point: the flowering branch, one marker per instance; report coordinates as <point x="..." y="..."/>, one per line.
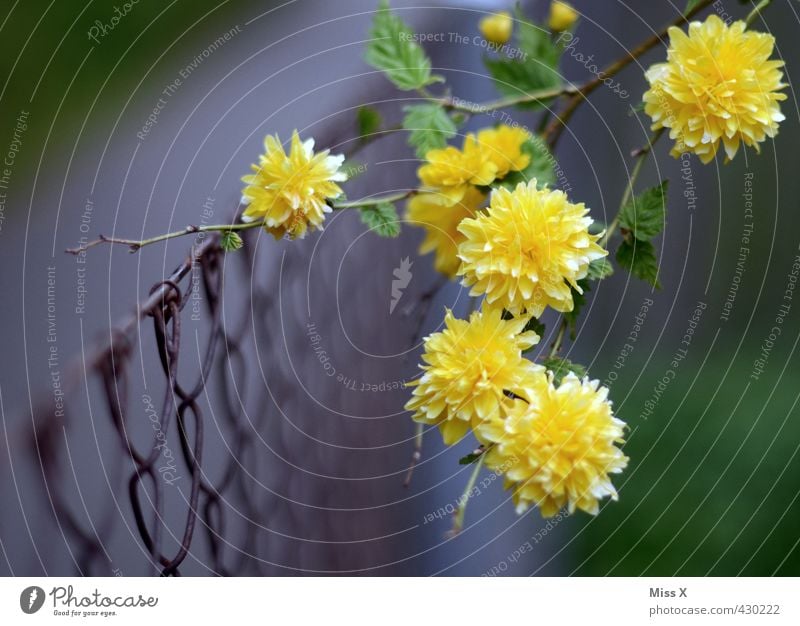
<point x="554" y="130"/>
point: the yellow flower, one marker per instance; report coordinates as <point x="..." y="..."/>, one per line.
<point x="468" y="368"/>
<point x="527" y="250"/>
<point x="497" y="27"/>
<point x="558" y="449"/>
<point x="491" y="155"/>
<point x="718" y="85"/>
<point x="502" y="146"/>
<point x="562" y="16"/>
<point x="290" y="191"/>
<point x="451" y="171"/>
<point x="441" y="225"/>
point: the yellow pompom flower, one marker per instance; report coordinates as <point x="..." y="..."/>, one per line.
<point x="497" y="27"/>
<point x="441" y="225"/>
<point x="467" y="368"/>
<point x="290" y="191"/>
<point x="527" y="250"/>
<point x="562" y="16"/>
<point x="451" y="171"/>
<point x="718" y="85"/>
<point x="502" y="146"/>
<point x="558" y="449"/>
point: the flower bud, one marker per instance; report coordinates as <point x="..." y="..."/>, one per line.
<point x="562" y="16"/>
<point x="497" y="27"/>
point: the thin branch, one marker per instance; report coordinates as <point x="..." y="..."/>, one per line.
<point x="641" y="157"/>
<point x="136" y="244"/>
<point x="456" y="104"/>
<point x="375" y="200"/>
<point x="417" y="455"/>
<point x="458" y="518"/>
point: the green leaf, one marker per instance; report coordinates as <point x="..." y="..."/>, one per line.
<point x="690" y="5"/>
<point x="578" y="302"/>
<point x="600" y="269"/>
<point x="644" y="215"/>
<point x="393" y="50"/>
<point x="230" y="241"/>
<point x="470" y="458"/>
<point x="368" y="119"/>
<point x="430" y="127"/>
<point x="382" y="218"/>
<point x="639" y="258"/>
<point x="541" y="166"/>
<point x="536" y="70"/>
<point x="535" y="325"/>
<point x="561" y="367"/>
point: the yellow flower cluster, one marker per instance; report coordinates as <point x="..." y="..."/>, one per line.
<point x="555" y="444"/>
<point x="468" y="368"/>
<point x="717" y="86"/>
<point x="527" y="250"/>
<point x="290" y="192"/>
<point x="451" y="177"/>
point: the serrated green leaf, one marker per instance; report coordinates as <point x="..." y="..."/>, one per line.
<point x="541" y="166"/>
<point x="600" y="269"/>
<point x="368" y="120"/>
<point x="429" y="125"/>
<point x="230" y="241"/>
<point x="561" y="367"/>
<point x="382" y="218"/>
<point x="535" y="325"/>
<point x="640" y="259"/>
<point x="643" y="215"/>
<point x="536" y="70"/>
<point x="393" y="50"/>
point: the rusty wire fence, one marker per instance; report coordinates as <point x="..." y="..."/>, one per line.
<point x="144" y="484"/>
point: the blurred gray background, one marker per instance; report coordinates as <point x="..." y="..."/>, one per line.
<point x="713" y="481"/>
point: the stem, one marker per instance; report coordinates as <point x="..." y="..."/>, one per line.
<point x="559" y="340"/>
<point x="554" y="130"/>
<point x="641" y="156"/>
<point x="455" y="104"/>
<point x="372" y="201"/>
<point x="756" y="11"/>
<point x="417" y="455"/>
<point x="458" y="518"/>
